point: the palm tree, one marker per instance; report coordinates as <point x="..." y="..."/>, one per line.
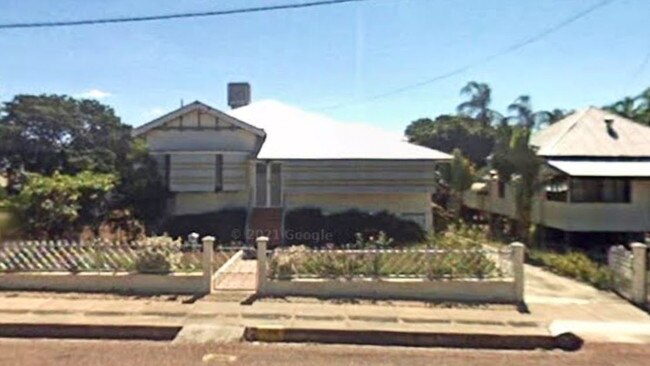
<point x="643" y="109"/>
<point x="626" y="107"/>
<point x="522" y="108"/>
<point x="478" y="105"/>
<point x="460" y="180"/>
<point x="550" y="117"/>
<point x="518" y="163"/>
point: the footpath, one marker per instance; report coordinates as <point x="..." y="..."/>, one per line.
<point x="554" y="306"/>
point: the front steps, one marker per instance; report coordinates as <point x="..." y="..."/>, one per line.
<point x="266" y="221"/>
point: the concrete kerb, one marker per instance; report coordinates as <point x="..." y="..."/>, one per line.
<point x="89" y="331"/>
<point x="564" y="341"/>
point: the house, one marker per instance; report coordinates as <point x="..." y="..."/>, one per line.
<point x="268" y="158"/>
<point x="596" y="176"/>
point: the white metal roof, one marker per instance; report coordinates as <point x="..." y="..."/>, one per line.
<point x="602" y="168"/>
<point x="292" y="133"/>
<point x="585" y="134"/>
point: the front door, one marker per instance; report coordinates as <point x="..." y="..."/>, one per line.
<point x="268" y="185"/>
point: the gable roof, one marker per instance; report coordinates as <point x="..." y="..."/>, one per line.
<point x="160" y="121"/>
<point x="585" y="134"/>
<point x="293" y="133"/>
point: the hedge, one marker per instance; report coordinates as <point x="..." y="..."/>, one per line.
<point x="226" y="225"/>
<point x="343" y="226"/>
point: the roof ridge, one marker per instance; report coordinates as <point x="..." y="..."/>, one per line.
<point x="561" y="136"/>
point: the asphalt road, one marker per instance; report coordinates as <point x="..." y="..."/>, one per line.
<point x="39" y="352"/>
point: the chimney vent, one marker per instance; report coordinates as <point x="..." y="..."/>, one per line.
<point x="239" y="94"/>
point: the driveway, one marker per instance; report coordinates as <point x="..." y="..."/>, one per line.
<point x="543" y="287"/>
<point x="595" y="315"/>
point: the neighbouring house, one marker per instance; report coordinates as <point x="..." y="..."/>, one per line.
<point x="268" y="158"/>
<point x="596" y="178"/>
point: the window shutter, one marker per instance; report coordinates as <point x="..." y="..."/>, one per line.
<point x="168" y="169"/>
<point x="218" y="178"/>
<point x="234" y="172"/>
<point x="192" y="173"/>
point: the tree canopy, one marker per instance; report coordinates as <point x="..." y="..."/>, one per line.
<point x="478" y="105"/>
<point x="57" y="134"/>
<point x="48" y="133"/>
<point x="636" y="107"/>
<point x="447" y="133"/>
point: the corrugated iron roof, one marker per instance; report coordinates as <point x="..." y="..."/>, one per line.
<point x="602" y="168"/>
<point x="586" y="134"/>
<point x="292" y="133"/>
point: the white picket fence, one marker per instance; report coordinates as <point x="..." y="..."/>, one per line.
<point x="108" y="267"/>
<point x="93" y="256"/>
<point x="477" y="275"/>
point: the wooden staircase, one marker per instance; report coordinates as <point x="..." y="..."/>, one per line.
<point x="266" y="221"/>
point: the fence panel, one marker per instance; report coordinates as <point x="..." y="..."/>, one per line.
<point x="99" y="256"/>
<point x="432" y="264"/>
<point x="619" y="260"/>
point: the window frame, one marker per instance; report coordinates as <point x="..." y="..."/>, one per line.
<point x="501" y="188"/>
<point x="600" y="190"/>
<point x="218" y="173"/>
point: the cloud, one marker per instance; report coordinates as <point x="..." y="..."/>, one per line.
<point x="94" y="94"/>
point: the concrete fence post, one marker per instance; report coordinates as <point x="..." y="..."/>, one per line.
<point x="639" y="273"/>
<point x="208" y="270"/>
<point x="262" y="242"/>
<point x="517" y="252"/>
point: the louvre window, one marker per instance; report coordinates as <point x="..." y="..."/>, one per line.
<point x="600" y="190"/>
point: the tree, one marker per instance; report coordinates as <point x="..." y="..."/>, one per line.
<point x="517" y="162"/>
<point x="525" y="116"/>
<point x="556" y="115"/>
<point x="48" y="133"/>
<point x="636" y="108"/>
<point x="626" y="107"/>
<point x="478" y="105"/>
<point x="461" y="178"/>
<point x="45" y="134"/>
<point x="60" y="205"/>
<point x="447" y="133"/>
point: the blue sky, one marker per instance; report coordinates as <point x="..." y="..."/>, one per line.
<point x="323" y="56"/>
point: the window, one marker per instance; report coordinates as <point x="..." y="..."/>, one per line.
<point x="600" y="190"/>
<point x="218" y="174"/>
<point x="501" y="188"/>
<point x="276" y="185"/>
<point x="558" y="189"/>
<point x="260" y="184"/>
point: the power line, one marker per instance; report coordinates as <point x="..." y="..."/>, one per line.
<point x="459" y="70"/>
<point x="50" y="24"/>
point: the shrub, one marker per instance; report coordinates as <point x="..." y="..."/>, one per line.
<point x="226" y="226"/>
<point x="152" y="261"/>
<point x="575" y="265"/>
<point x="344" y="226"/>
<point x="61" y="204"/>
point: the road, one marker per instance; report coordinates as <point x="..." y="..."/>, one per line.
<point x="124" y="353"/>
